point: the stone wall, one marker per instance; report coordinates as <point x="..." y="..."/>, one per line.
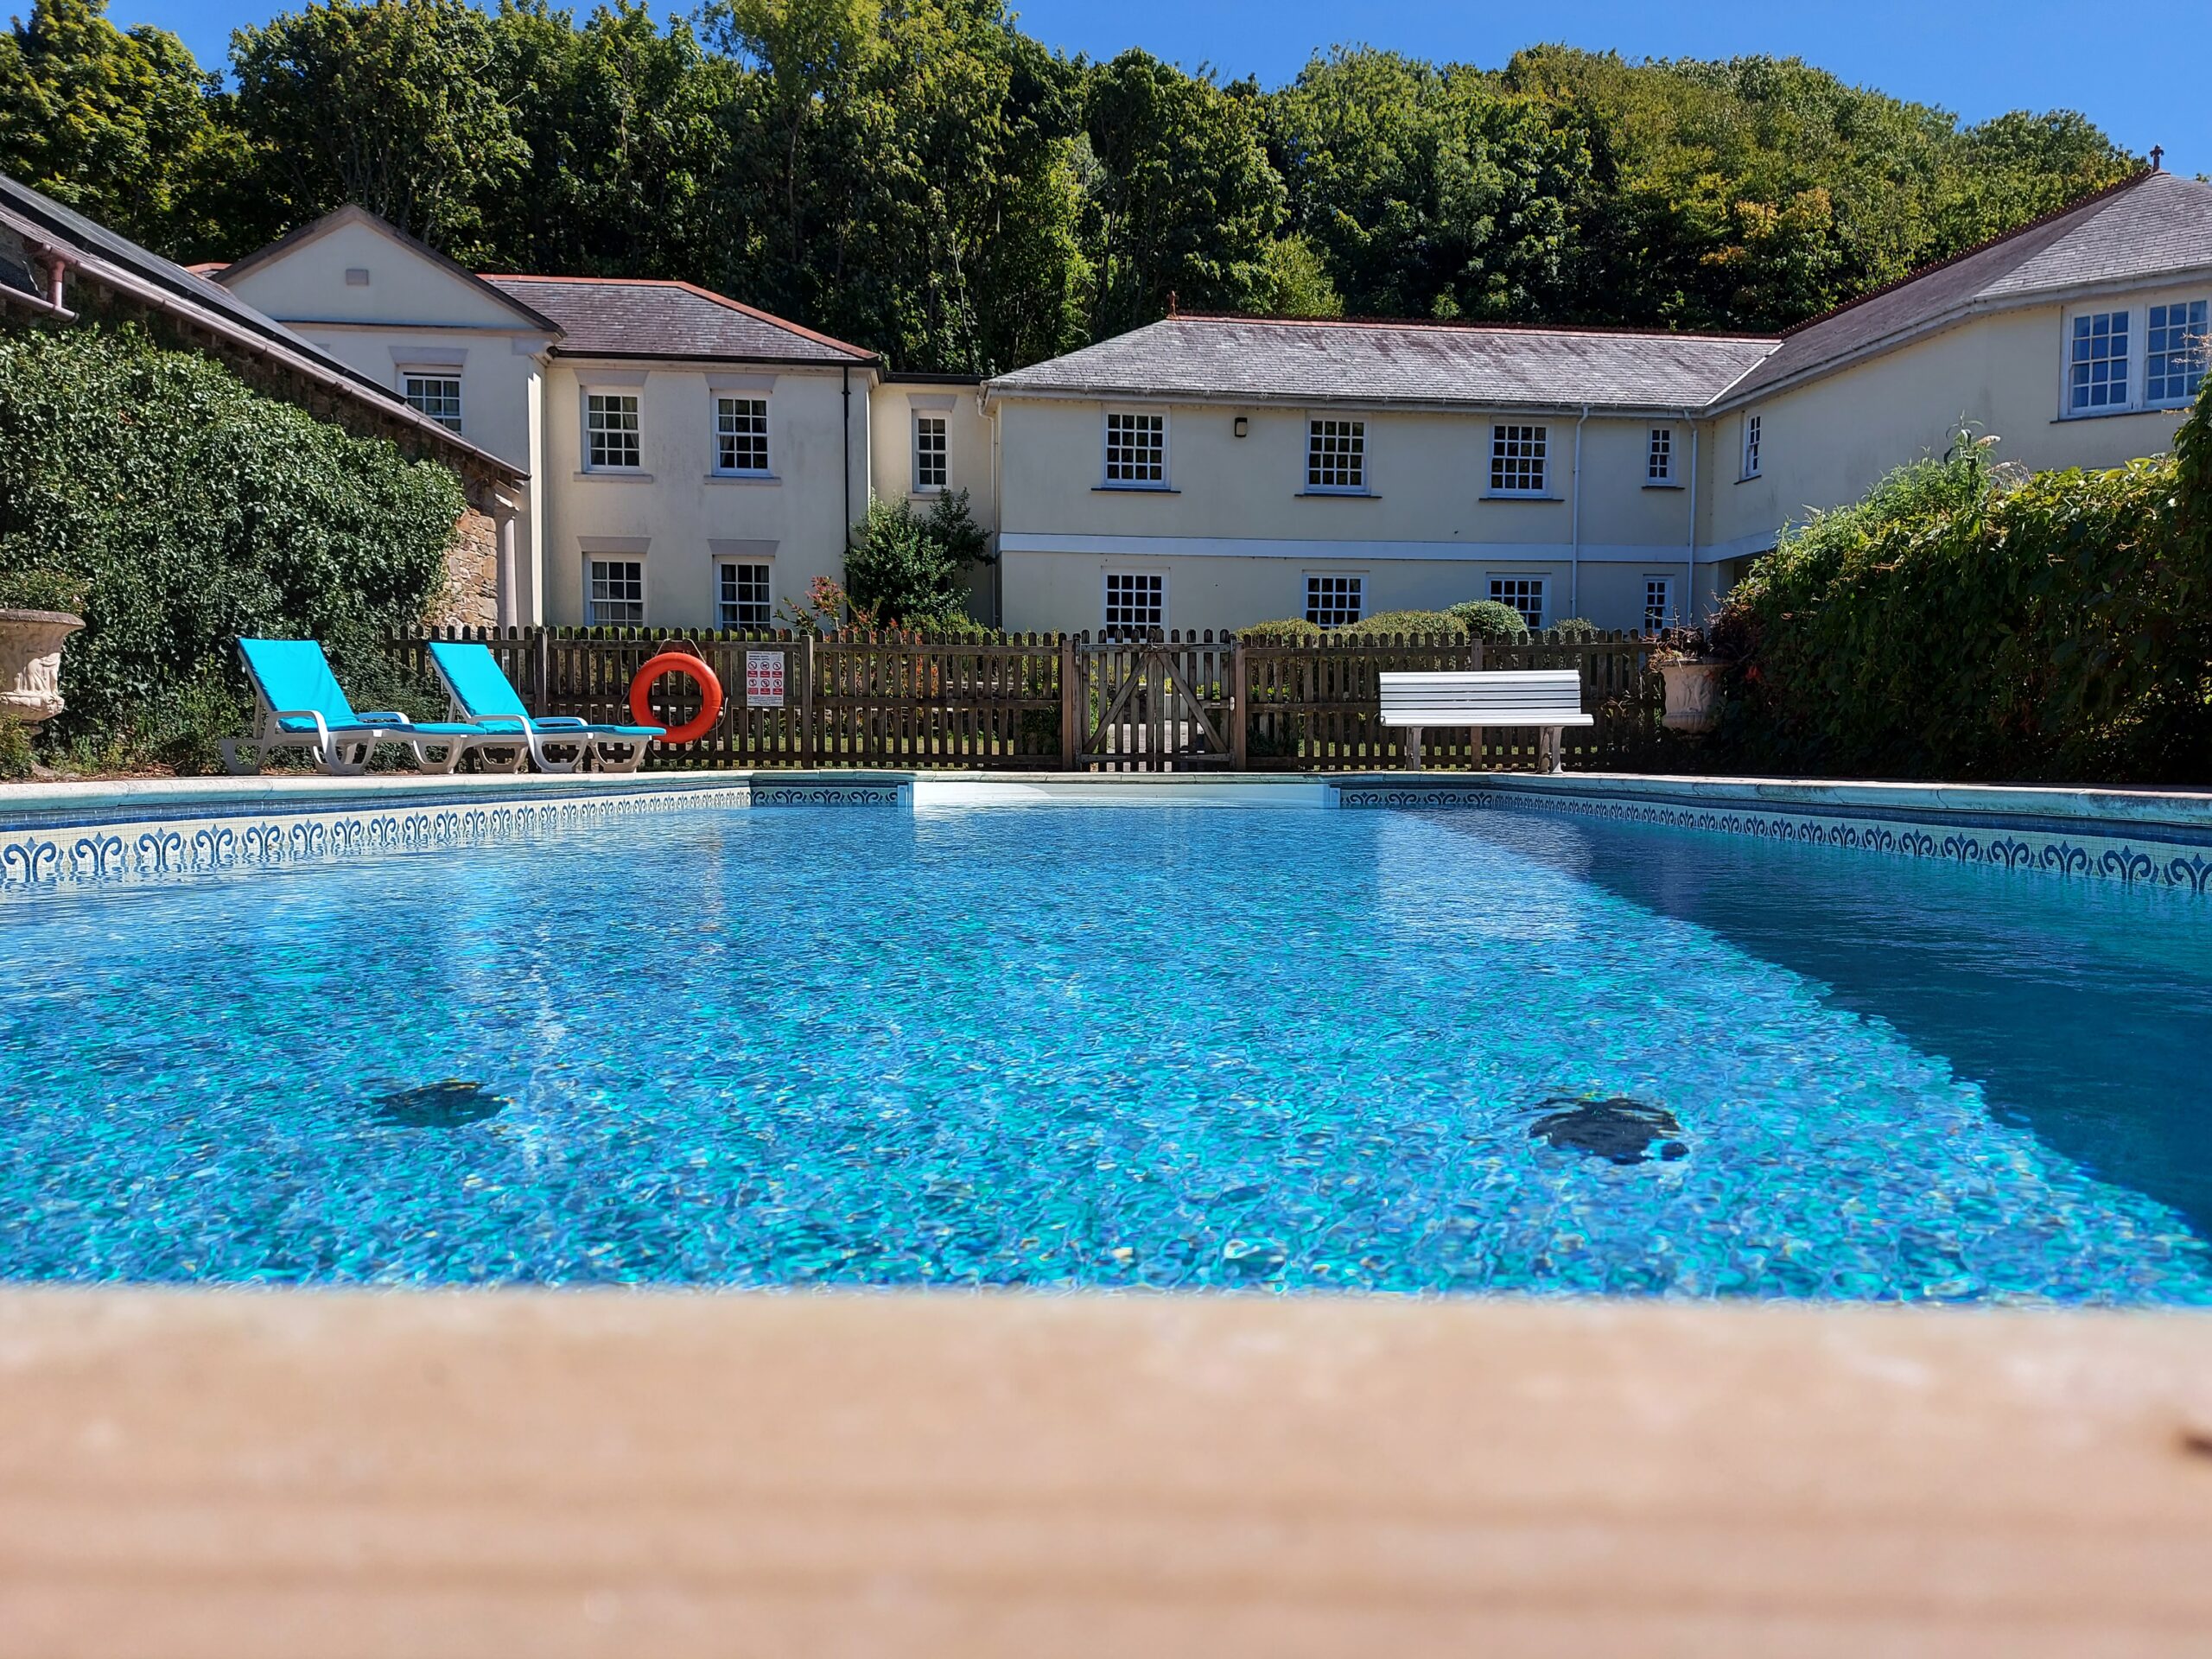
<point x="470" y="598"/>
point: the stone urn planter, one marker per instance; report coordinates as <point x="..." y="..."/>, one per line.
<point x="30" y="663"/>
<point x="1693" y="695"/>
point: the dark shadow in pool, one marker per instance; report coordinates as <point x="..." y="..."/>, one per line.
<point x="450" y="1104"/>
<point x="2083" y="1008"/>
<point x="1616" y="1128"/>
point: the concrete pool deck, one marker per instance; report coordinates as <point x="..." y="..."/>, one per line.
<point x="573" y="1473"/>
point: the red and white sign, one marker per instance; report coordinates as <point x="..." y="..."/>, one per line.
<point x="763" y="679"/>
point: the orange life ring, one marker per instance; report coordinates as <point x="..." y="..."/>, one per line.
<point x="710" y="695"/>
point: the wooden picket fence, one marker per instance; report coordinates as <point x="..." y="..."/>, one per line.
<point x="1046" y="702"/>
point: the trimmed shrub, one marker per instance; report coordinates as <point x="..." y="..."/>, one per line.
<point x="186" y="509"/>
<point x="907" y="566"/>
<point x="1411" y="622"/>
<point x="1956" y="623"/>
<point x="1290" y="631"/>
<point x="1488" y="618"/>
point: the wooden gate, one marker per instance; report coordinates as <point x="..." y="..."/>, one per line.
<point x="1161" y="705"/>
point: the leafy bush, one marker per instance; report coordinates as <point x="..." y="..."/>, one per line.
<point x="1290" y="631"/>
<point x="1397" y="622"/>
<point x="907" y="566"/>
<point x="188" y="509"/>
<point x="1956" y="623"/>
<point x="1487" y="619"/>
<point x="40" y="589"/>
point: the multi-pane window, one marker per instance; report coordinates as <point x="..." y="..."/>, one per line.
<point x="1751" y="438"/>
<point x="1517" y="460"/>
<point x="1659" y="464"/>
<point x="2173" y="349"/>
<point x="1524" y="593"/>
<point x="1136" y="448"/>
<point x="1336" y="454"/>
<point x="615" y="593"/>
<point x="741" y="435"/>
<point x="1658" y="602"/>
<point x="611" y="428"/>
<point x="2096" y="365"/>
<point x="929" y="452"/>
<point x="438" y="396"/>
<point x="1334" y="602"/>
<point x="1136" y="602"/>
<point x="741" y="596"/>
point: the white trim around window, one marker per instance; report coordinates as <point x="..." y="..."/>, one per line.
<point x="1659" y="460"/>
<point x="2120" y="358"/>
<point x="1335" y="599"/>
<point x="434" y="392"/>
<point x="1336" y="455"/>
<point x="1754" y="440"/>
<point x="614" y="591"/>
<point x="1520" y="460"/>
<point x="1529" y="594"/>
<point x="611" y="429"/>
<point x="1134" y="448"/>
<point x="1660" y="609"/>
<point x="930" y="450"/>
<point x="741" y="435"/>
<point x="1132" y="602"/>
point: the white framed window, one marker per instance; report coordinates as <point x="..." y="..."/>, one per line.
<point x="1751" y="438"/>
<point x="1659" y="458"/>
<point x="611" y="431"/>
<point x="742" y="596"/>
<point x="741" y="436"/>
<point x="931" y="454"/>
<point x="1336" y="454"/>
<point x="1524" y="593"/>
<point x="1136" y="602"/>
<point x="2096" y="362"/>
<point x="1334" y="602"/>
<point x="1658" y="603"/>
<point x="1517" y="460"/>
<point x="1136" y="448"/>
<point x="2173" y="353"/>
<point x="438" y="396"/>
<point x="615" y="592"/>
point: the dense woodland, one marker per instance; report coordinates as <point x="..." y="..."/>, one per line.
<point x="921" y="176"/>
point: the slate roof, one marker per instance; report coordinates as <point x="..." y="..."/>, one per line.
<point x="623" y="316"/>
<point x="101" y="257"/>
<point x="1400" y="362"/>
<point x="2147" y="226"/>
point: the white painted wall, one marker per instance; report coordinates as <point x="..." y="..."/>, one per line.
<point x="676" y="512"/>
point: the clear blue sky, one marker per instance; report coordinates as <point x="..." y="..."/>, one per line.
<point x="2140" y="70"/>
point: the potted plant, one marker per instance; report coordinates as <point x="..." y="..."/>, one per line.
<point x="1692" y="674"/>
<point x="38" y="613"/>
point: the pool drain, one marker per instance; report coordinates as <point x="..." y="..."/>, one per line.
<point x="1616" y="1128"/>
<point x="448" y="1105"/>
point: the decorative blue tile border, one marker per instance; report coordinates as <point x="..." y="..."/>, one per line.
<point x="2176" y="856"/>
<point x="868" y="794"/>
<point x="203" y="837"/>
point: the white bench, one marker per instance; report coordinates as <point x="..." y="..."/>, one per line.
<point x="1549" y="699"/>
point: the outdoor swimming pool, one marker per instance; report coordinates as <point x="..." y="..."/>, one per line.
<point x="1167" y="1046"/>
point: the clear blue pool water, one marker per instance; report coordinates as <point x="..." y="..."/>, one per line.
<point x="1159" y="1047"/>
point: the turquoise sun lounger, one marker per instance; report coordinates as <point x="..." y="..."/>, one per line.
<point x="298" y="704"/>
<point x="482" y="693"/>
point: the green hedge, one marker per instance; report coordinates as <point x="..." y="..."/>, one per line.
<point x="189" y="509"/>
<point x="1958" y="623"/>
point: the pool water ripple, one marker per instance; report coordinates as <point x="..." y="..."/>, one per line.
<point x="1275" y="1048"/>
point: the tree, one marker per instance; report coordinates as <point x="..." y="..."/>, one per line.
<point x="391" y="104"/>
<point x="119" y="125"/>
<point x="1182" y="201"/>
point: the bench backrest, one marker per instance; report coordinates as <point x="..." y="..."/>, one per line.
<point x="479" y="685"/>
<point x="294" y="674"/>
<point x="1500" y="697"/>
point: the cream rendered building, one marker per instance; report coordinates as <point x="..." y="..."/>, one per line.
<point x="692" y="462"/>
<point x="1213" y="472"/>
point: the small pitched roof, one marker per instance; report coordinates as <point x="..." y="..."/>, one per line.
<point x="353" y="214"/>
<point x="636" y="316"/>
<point x="1482" y="366"/>
<point x="97" y="255"/>
<point x="2151" y="226"/>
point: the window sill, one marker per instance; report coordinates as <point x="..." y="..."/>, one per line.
<point x="612" y="475"/>
<point x="1134" y="489"/>
<point x="930" y="492"/>
<point x="1751" y="478"/>
<point x="1519" y="495"/>
<point x="2132" y="409"/>
<point x="1663" y="487"/>
<point x="1339" y="495"/>
<point x="742" y="477"/>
